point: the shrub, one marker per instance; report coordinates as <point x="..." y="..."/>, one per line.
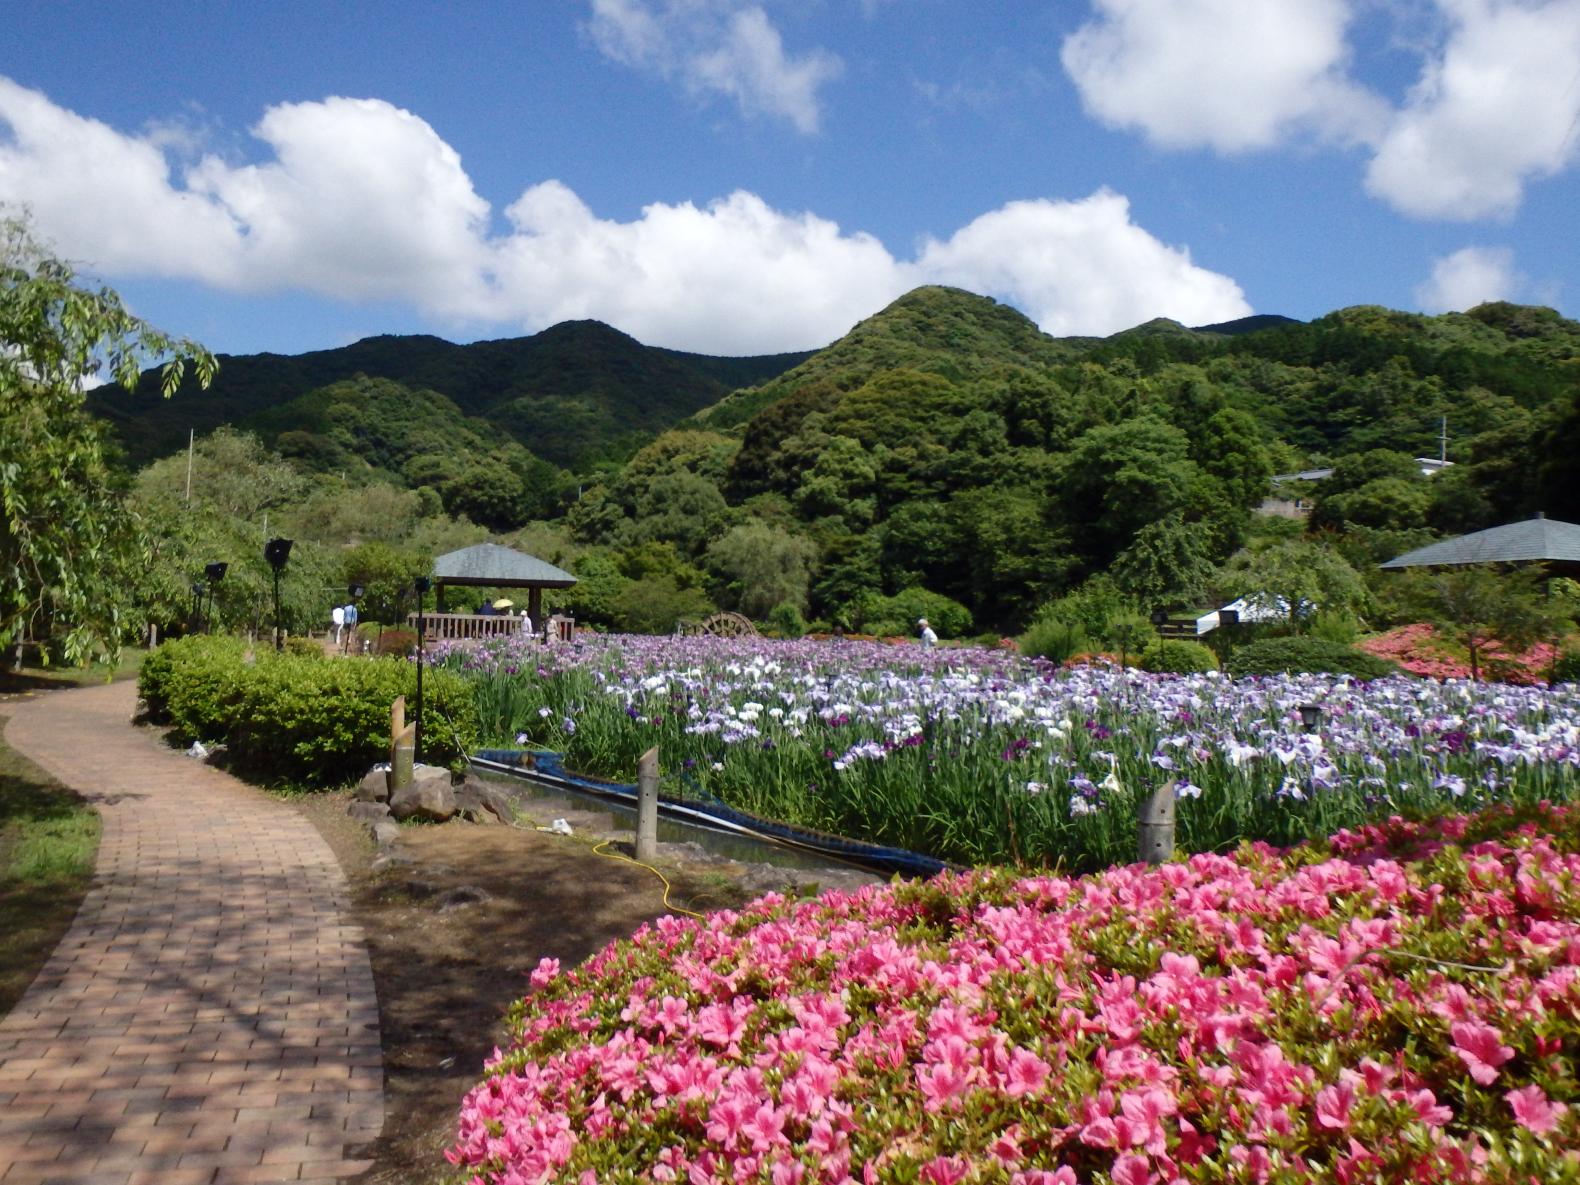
<point x="195" y="685"/>
<point x="1423" y="649"/>
<point x="1566" y="668"/>
<point x="1304" y="654"/>
<point x="323" y="723"/>
<point x="1335" y="626"/>
<point x="1177" y="656"/>
<point x="304" y="647"/>
<point x="299" y="719"/>
<point x="785" y="620"/>
<point x="1317" y="1015"/>
<point x="1054" y="640"/>
<point x="898" y="614"/>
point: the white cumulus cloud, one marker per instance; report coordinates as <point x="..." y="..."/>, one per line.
<point x="722" y="47"/>
<point x="1496" y="103"/>
<point x="1497" y="107"/>
<point x="356" y="199"/>
<point x="1468" y="277"/>
<point x="1080" y="267"/>
<point x="1231" y="75"/>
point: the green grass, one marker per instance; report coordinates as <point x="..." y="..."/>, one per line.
<point x="48" y="840"/>
<point x="21" y="679"/>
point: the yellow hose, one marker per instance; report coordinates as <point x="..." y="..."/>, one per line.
<point x="598" y="851"/>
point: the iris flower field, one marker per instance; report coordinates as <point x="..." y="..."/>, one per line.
<point x="978" y="756"/>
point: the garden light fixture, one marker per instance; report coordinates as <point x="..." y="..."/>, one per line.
<point x="277" y="551"/>
<point x="215" y="573"/>
<point x="1310" y="717"/>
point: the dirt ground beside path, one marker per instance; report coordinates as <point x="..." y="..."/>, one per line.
<point x="456" y="918"/>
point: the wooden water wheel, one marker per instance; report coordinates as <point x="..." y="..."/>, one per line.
<point x="729" y="625"/>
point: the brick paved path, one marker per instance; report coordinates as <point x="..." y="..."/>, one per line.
<point x="210" y="1016"/>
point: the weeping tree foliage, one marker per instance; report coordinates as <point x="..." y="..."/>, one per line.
<point x="67" y="545"/>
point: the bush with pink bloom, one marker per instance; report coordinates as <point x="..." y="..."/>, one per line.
<point x="1421" y="650"/>
<point x="1401" y="1003"/>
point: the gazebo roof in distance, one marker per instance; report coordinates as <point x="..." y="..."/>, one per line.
<point x="489" y="564"/>
<point x="1531" y="541"/>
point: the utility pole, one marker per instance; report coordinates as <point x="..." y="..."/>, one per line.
<point x="1442" y="442"/>
<point x="191" y="439"/>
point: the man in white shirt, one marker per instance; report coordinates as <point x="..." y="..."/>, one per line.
<point x="929" y="639"/>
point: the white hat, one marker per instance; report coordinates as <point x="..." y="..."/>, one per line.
<point x="921" y="621"/>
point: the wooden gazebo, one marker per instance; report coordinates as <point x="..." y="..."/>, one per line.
<point x="489" y="565"/>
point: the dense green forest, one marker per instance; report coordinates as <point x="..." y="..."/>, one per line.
<point x="572" y="395"/>
<point x="945" y="457"/>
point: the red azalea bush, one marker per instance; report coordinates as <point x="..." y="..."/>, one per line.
<point x="1402" y="1004"/>
<point x="1420" y="650"/>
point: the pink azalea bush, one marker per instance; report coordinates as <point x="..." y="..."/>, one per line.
<point x="1420" y="650"/>
<point x="1399" y="1004"/>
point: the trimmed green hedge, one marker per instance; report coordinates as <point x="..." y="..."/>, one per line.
<point x="1273" y="656"/>
<point x="1177" y="656"/>
<point x="285" y="717"/>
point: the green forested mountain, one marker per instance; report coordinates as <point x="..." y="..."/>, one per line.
<point x="948" y="444"/>
<point x="574" y="394"/>
<point x="945" y="456"/>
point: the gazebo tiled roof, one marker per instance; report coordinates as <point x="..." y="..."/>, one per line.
<point x="1531" y="541"/>
<point x="490" y="565"/>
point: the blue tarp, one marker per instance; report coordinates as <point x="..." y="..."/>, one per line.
<point x="550" y="766"/>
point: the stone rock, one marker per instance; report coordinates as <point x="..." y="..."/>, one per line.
<point x="385" y="831"/>
<point x="370" y="812"/>
<point x="428" y="797"/>
<point x="375" y="786"/>
<point x="460" y="897"/>
<point x="478" y="802"/>
<point x="390" y="859"/>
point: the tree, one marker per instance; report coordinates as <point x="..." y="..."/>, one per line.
<point x="1300" y="575"/>
<point x="1481" y="608"/>
<point x="1166" y="564"/>
<point x="759" y="567"/>
<point x="1119" y="477"/>
<point x="67" y="546"/>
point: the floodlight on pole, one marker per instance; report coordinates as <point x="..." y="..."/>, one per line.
<point x="215" y="573"/>
<point x="276" y="552"/>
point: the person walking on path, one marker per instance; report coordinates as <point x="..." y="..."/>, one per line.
<point x="337" y="618"/>
<point x="210" y="1015"/>
<point x="929" y="638"/>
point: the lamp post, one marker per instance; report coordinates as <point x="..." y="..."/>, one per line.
<point x="197" y="604"/>
<point x="277" y="551"/>
<point x="215" y="573"/>
<point x="1310" y="717"/>
<point x="422" y="584"/>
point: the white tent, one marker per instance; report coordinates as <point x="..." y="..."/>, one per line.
<point x="1275" y="610"/>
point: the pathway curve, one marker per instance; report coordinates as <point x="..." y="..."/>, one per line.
<point x="210" y="1016"/>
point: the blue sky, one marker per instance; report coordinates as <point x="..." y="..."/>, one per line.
<point x="743" y="177"/>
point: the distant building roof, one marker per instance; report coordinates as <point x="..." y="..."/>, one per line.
<point x="1428" y="465"/>
<point x="1537" y="538"/>
<point x="491" y="564"/>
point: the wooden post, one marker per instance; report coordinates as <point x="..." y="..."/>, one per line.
<point x="647" y="805"/>
<point x="1157" y="826"/>
<point x="403" y="746"/>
